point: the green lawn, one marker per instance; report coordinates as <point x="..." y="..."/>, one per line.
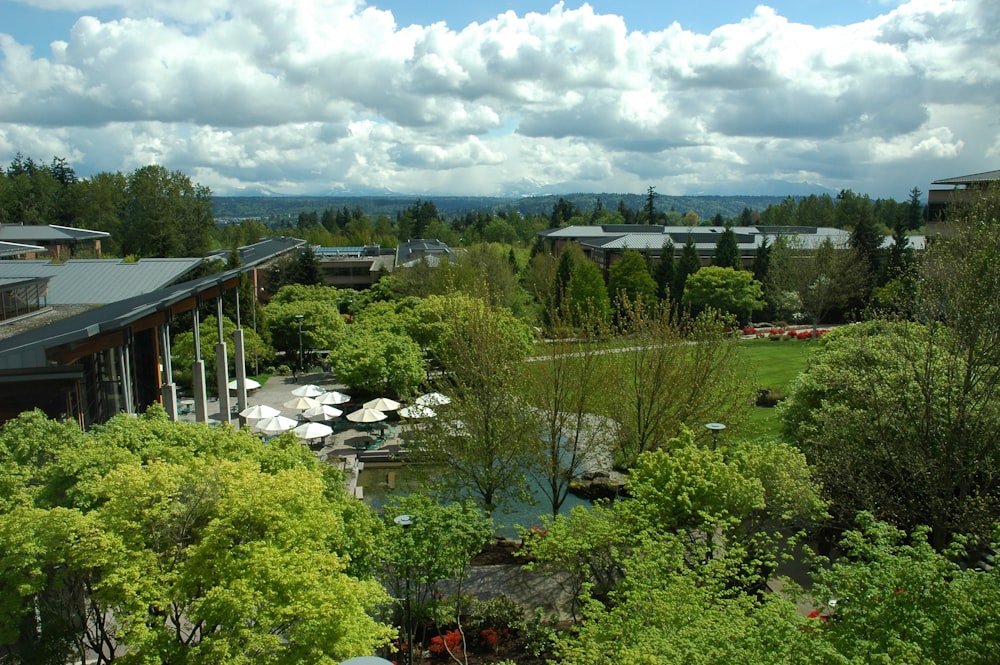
<point x="772" y="365"/>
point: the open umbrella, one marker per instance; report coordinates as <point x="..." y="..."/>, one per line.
<point x="312" y="431"/>
<point x="274" y="425"/>
<point x="321" y="412"/>
<point x="433" y="399"/>
<point x="333" y="398"/>
<point x="417" y="411"/>
<point x="366" y="415"/>
<point x="258" y="411"/>
<point x="308" y="390"/>
<point x="301" y="403"/>
<point x="382" y="404"/>
<point x="250" y="384"/>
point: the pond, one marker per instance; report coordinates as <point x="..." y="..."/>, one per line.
<point x="377" y="492"/>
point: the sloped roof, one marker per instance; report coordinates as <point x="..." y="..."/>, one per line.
<point x="986" y="176"/>
<point x="27" y="349"/>
<point x="50" y="233"/>
<point x="100" y="281"/>
<point x="17" y="248"/>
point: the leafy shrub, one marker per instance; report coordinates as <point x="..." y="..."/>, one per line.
<point x="499" y="613"/>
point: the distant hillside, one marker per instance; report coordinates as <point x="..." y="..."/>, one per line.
<point x="270" y="208"/>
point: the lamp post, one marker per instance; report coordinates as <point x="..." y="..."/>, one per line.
<point x="715" y="428"/>
<point x="299" y="317"/>
<point x="405" y="521"/>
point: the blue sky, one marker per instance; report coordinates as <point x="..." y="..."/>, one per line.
<point x="335" y="96"/>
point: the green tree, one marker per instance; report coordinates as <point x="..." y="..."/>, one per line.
<point x="202" y="544"/>
<point x="688" y="264"/>
<point x="726" y="290"/>
<point x="321" y="320"/>
<point x="914" y="211"/>
<point x="629" y="281"/>
<point x="898" y="424"/>
<point x="900" y="600"/>
<point x="182" y="347"/>
<point x="810" y="284"/>
<point x="727" y="250"/>
<point x="165" y="214"/>
<point x="483" y="448"/>
<point x="588" y="300"/>
<point x="676" y="370"/>
<point x="565" y="386"/>
<point x="664" y="274"/>
<point x="378" y="361"/>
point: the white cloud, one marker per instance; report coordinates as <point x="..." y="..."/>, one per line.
<point x="320" y="95"/>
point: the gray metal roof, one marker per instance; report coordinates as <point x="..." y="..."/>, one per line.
<point x="17" y="248"/>
<point x="986" y="176"/>
<point x="27" y="349"/>
<point x="52" y="232"/>
<point x="100" y="281"/>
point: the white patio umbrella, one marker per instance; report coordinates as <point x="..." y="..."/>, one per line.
<point x="258" y="411"/>
<point x="274" y="425"/>
<point x="417" y="411"/>
<point x="301" y="403"/>
<point x="250" y="384"/>
<point x="433" y="399"/>
<point x="382" y="404"/>
<point x="321" y="412"/>
<point x="366" y="415"/>
<point x="308" y="390"/>
<point x="310" y="431"/>
<point x="333" y="398"/>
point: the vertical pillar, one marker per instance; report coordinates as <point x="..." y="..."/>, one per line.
<point x="125" y="370"/>
<point x="168" y="389"/>
<point x="241" y="369"/>
<point x="222" y="368"/>
<point x="198" y="374"/>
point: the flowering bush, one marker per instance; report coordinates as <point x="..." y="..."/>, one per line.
<point x="490" y="639"/>
<point x="450" y="643"/>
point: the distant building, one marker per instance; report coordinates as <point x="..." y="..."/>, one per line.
<point x="604" y="244"/>
<point x="57" y="242"/>
<point x="353" y="267"/>
<point x="410" y="252"/>
<point x="959" y="189"/>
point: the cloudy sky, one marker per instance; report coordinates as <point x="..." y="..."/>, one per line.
<point x="471" y="97"/>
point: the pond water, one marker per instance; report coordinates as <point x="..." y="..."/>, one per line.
<point x="377" y="492"/>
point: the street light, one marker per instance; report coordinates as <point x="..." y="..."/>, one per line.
<point x="301" y="357"/>
<point x="716" y="428"/>
<point x="406" y="522"/>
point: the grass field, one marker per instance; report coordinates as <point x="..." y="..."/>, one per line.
<point x="772" y="365"/>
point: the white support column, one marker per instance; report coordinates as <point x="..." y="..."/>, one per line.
<point x="222" y="368"/>
<point x="239" y="350"/>
<point x="168" y="389"/>
<point x="198" y="374"/>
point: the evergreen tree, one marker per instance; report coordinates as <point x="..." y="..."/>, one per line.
<point x="727" y="251"/>
<point x="914" y="211"/>
<point x="665" y="270"/>
<point x="629" y="281"/>
<point x="688" y="265"/>
<point x="761" y="260"/>
<point x="650" y="210"/>
<point x="628" y="215"/>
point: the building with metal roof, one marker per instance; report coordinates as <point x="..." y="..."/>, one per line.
<point x="9" y="249"/>
<point x="960" y="189"/>
<point x="116" y="357"/>
<point x="60" y="242"/>
<point x="100" y="281"/>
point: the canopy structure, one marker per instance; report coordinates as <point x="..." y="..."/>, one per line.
<point x="308" y="390"/>
<point x="333" y="398"/>
<point x="250" y="384"/>
<point x="309" y="431"/>
<point x="322" y="412"/>
<point x="433" y="399"/>
<point x="258" y="411"/>
<point x="382" y="404"/>
<point x="301" y="403"/>
<point x="366" y="415"/>
<point x="274" y="425"/>
<point x="417" y="411"/>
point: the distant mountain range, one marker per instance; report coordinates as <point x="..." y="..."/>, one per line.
<point x="275" y="208"/>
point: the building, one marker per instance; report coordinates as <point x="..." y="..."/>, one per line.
<point x="605" y="243"/>
<point x="960" y="189"/>
<point x="57" y="242"/>
<point x="353" y="267"/>
<point x="90" y="363"/>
